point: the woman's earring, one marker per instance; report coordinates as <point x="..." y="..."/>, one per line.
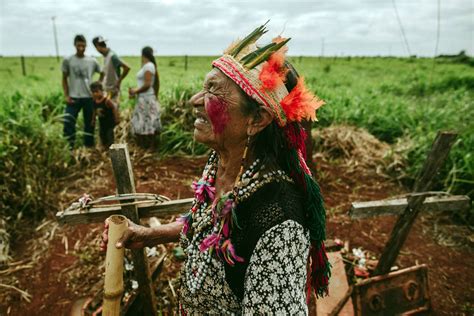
<point x="244" y="156"/>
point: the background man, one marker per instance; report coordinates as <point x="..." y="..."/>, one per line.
<point x="78" y="70"/>
<point x="115" y="69"/>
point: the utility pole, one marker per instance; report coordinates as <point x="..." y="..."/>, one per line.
<point x="55" y="37"/>
<point x="322" y="47"/>
<point x="438" y="29"/>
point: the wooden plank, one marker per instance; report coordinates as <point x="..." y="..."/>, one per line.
<point x="342" y="303"/>
<point x="122" y="169"/>
<point x="99" y="214"/>
<point x="4" y="243"/>
<point x="338" y="287"/>
<point x="397" y="206"/>
<point x="438" y="154"/>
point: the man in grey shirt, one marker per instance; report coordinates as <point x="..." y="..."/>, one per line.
<point x="78" y="70"/>
<point x="115" y="69"/>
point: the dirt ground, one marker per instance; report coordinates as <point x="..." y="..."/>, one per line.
<point x="46" y="269"/>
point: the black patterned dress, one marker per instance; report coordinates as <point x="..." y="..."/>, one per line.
<point x="272" y="238"/>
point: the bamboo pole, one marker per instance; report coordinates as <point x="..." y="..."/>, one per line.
<point x="113" y="285"/>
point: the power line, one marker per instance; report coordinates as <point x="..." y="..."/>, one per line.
<point x="401" y="28"/>
<point x="438" y="29"/>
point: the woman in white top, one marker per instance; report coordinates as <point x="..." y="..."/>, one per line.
<point x="146" y="115"/>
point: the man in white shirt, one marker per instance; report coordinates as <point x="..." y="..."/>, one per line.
<point x="115" y="69"/>
<point x="78" y="71"/>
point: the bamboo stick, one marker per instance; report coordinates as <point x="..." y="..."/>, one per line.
<point x="113" y="285"/>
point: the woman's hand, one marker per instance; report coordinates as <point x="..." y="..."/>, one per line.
<point x="135" y="237"/>
<point x="132" y="92"/>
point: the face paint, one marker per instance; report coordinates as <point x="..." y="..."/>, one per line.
<point x="218" y="114"/>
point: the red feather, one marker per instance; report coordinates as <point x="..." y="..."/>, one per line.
<point x="301" y="104"/>
<point x="273" y="73"/>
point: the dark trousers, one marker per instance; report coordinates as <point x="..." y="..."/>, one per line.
<point x="70" y="118"/>
<point x="106" y="134"/>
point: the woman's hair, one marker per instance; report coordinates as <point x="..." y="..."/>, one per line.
<point x="147" y="52"/>
<point x="279" y="148"/>
<point x="271" y="143"/>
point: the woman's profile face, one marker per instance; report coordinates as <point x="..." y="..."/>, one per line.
<point x="219" y="123"/>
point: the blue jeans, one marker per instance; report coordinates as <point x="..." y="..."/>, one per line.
<point x="70" y="117"/>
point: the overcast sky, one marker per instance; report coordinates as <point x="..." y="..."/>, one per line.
<point x="194" y="27"/>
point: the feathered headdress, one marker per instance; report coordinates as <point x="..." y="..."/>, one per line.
<point x="261" y="73"/>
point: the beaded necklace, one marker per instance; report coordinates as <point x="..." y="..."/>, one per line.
<point x="211" y="219"/>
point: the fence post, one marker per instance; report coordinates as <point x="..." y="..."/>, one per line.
<point x="185" y="62"/>
<point x="23" y="68"/>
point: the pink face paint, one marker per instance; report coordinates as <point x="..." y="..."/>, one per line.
<point x="218" y="114"/>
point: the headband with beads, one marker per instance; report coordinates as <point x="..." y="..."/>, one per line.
<point x="260" y="72"/>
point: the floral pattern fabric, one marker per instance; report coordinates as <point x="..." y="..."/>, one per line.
<point x="274" y="282"/>
<point x="146" y="116"/>
<point x="276" y="276"/>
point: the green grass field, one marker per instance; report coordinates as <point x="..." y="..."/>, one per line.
<point x="399" y="100"/>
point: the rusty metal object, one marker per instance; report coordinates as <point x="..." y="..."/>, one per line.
<point x="401" y="292"/>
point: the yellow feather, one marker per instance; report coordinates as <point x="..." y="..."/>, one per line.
<point x="246" y="50"/>
<point x="232" y="46"/>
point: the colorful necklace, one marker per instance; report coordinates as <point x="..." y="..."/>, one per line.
<point x="211" y="220"/>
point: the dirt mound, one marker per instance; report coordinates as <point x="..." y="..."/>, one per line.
<point x="358" y="149"/>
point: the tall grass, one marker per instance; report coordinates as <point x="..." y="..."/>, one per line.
<point x="401" y="101"/>
<point x="33" y="155"/>
<point x="177" y="118"/>
<point x="406" y="106"/>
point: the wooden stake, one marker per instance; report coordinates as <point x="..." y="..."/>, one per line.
<point x="438" y="154"/>
<point x="123" y="174"/>
<point x="4" y="243"/>
<point x="113" y="284"/>
<point x="23" y="67"/>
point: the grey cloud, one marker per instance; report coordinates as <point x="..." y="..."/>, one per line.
<point x="367" y="27"/>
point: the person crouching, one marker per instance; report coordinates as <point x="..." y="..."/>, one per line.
<point x="107" y="111"/>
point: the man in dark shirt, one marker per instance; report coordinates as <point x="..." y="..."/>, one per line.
<point x="107" y="111"/>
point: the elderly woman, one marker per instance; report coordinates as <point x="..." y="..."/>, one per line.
<point x="254" y="235"/>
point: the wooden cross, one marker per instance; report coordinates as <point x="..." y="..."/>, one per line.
<point x="123" y="174"/>
<point x="433" y="163"/>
